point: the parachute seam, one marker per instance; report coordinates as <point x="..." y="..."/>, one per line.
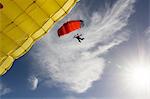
<point x="3" y="53"/>
<point x="42" y="10"/>
<point x="19" y="14"/>
<point x="66" y="12"/>
<point x="62" y="6"/>
<point x="12" y="23"/>
<point x="10" y="37"/>
<point x="30" y="16"/>
<point x="16" y="25"/>
<point x="18" y="46"/>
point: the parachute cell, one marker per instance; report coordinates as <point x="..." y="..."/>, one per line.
<point x="22" y="22"/>
<point x="69" y="27"/>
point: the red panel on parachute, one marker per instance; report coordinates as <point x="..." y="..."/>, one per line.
<point x="69" y="26"/>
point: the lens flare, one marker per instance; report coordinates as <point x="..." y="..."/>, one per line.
<point x="137" y="77"/>
<point x="140" y="77"/>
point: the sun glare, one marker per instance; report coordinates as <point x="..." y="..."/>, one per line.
<point x="137" y="77"/>
<point x="140" y="77"/>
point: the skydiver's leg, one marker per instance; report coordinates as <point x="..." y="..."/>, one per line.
<point x="82" y="38"/>
<point x="79" y="40"/>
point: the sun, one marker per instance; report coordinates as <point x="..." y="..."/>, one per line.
<point x="136" y="76"/>
<point x="140" y="77"/>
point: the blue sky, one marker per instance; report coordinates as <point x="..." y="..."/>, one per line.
<point x="116" y="33"/>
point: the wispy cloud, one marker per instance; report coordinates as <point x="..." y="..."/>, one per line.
<point x="4" y="90"/>
<point x="33" y="81"/>
<point x="75" y="66"/>
<point x="147" y="33"/>
<point x="74" y="97"/>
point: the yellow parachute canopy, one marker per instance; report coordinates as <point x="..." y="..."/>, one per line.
<point x="22" y="22"/>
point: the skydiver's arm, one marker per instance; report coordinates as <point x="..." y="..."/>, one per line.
<point x="75" y="36"/>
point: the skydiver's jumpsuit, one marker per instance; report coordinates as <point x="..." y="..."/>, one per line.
<point x="78" y="37"/>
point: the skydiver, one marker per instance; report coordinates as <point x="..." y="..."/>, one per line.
<point x="78" y="37"/>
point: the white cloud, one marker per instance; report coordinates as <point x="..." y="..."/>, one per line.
<point x="4" y="90"/>
<point x="76" y="66"/>
<point x="33" y="81"/>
